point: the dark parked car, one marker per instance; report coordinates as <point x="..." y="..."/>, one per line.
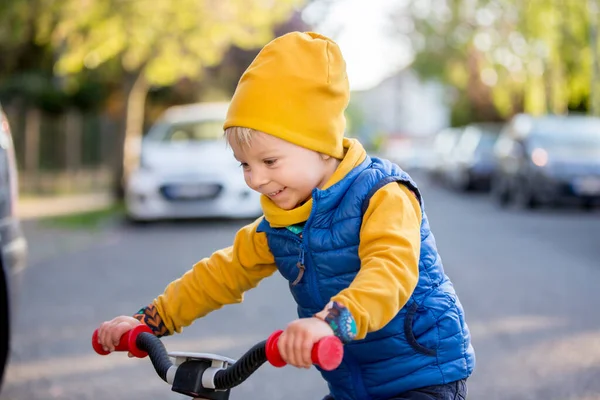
<point x="548" y="160"/>
<point x="471" y="163"/>
<point x="13" y="245"/>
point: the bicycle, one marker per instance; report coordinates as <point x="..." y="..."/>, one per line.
<point x="205" y="376"/>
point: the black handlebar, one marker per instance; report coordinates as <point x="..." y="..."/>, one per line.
<point x="200" y="376"/>
<point x="228" y="378"/>
<point x="156" y="350"/>
<point x="243" y="368"/>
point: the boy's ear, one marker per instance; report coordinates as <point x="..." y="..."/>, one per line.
<point x="325" y="157"/>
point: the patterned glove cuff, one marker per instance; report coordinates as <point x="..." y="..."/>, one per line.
<point x="149" y="316"/>
<point x="341" y="322"/>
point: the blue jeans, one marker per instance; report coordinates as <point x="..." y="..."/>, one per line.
<point x="450" y="391"/>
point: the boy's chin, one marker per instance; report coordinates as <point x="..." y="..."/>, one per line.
<point x="288" y="205"/>
<point x="285" y="206"/>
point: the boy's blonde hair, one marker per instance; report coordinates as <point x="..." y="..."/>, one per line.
<point x="242" y="136"/>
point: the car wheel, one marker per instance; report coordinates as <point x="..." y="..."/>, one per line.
<point x="499" y="192"/>
<point x="463" y="181"/>
<point x="587" y="205"/>
<point x="134" y="221"/>
<point x="525" y="198"/>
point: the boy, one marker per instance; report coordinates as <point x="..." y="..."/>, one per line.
<point x="347" y="231"/>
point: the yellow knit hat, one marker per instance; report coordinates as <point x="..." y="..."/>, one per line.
<point x="297" y="90"/>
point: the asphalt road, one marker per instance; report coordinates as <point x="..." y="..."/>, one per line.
<point x="528" y="281"/>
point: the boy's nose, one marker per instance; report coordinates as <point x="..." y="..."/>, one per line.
<point x="259" y="178"/>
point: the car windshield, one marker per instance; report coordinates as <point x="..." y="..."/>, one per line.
<point x="196" y="131"/>
<point x="567" y="134"/>
<point x="480" y="138"/>
<point x="568" y="140"/>
<point x="487" y="141"/>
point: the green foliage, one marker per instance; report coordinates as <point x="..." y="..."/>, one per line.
<point x="66" y="53"/>
<point x="45" y="92"/>
<point x="510" y="55"/>
<point x="15" y="27"/>
<point x="164" y="39"/>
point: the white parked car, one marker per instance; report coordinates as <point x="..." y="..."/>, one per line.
<point x="187" y="171"/>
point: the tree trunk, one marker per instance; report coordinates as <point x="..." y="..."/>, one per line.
<point x="136" y="102"/>
<point x="557" y="85"/>
<point x="479" y="94"/>
<point x="136" y="91"/>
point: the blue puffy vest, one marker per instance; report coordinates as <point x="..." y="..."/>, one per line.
<point x="426" y="343"/>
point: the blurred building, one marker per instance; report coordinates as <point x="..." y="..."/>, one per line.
<point x="400" y="105"/>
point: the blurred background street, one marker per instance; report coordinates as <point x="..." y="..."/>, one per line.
<point x="114" y="178"/>
<point x="529" y="288"/>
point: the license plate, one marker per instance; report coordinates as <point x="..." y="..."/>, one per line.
<point x="587" y="186"/>
<point x="191" y="191"/>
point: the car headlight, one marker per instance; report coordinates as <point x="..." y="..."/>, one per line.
<point x="539" y="157"/>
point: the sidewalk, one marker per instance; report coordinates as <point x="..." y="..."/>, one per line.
<point x="39" y="207"/>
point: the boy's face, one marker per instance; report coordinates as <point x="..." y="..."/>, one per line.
<point x="282" y="171"/>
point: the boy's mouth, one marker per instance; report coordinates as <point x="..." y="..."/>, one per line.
<point x="276" y="193"/>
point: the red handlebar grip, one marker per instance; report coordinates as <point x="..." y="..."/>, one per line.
<point x="126" y="343"/>
<point x="327" y="353"/>
<point x="272" y="352"/>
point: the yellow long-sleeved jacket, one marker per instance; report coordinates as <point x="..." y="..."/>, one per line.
<point x="389" y="252"/>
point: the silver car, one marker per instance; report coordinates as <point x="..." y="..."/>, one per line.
<point x="12" y="242"/>
<point x="187" y="171"/>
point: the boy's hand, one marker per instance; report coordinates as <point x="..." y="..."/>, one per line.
<point x="111" y="331"/>
<point x="296" y="342"/>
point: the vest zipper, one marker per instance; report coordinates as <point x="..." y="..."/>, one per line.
<point x="300" y="265"/>
<point x="315" y="292"/>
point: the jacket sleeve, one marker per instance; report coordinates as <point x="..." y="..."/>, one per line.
<point x="215" y="281"/>
<point x="390" y="244"/>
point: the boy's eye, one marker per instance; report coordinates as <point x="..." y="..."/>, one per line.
<point x="270" y="162"/>
<point x="245" y="166"/>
